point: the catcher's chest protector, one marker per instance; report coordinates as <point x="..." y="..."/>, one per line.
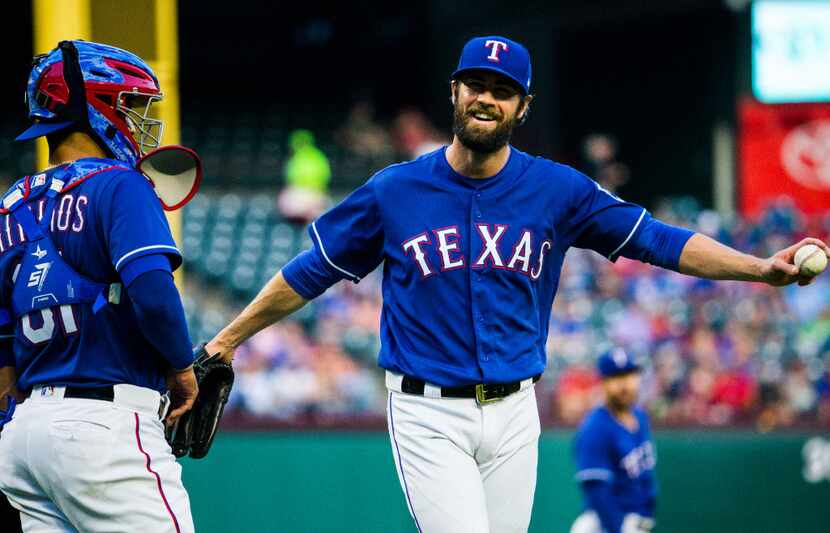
<point x="43" y="278"/>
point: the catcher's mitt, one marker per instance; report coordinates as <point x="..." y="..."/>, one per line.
<point x="193" y="432"/>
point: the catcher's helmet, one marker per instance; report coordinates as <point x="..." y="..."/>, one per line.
<point x="107" y="88"/>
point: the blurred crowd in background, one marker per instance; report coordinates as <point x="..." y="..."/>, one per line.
<point x="715" y="354"/>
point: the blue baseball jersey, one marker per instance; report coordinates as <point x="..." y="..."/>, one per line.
<point x="471" y="266"/>
<point x="106" y="216"/>
<point x="608" y="452"/>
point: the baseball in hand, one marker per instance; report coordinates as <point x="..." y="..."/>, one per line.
<point x="810" y="260"/>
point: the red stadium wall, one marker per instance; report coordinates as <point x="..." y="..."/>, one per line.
<point x="784" y="151"/>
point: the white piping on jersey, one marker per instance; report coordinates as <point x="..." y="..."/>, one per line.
<point x="325" y="255"/>
<point x="594" y="473"/>
<point x="143" y="248"/>
<point x="620" y="247"/>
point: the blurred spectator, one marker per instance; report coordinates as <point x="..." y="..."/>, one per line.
<point x="414" y="135"/>
<point x="599" y="152"/>
<point x="365" y="138"/>
<point x="307" y="174"/>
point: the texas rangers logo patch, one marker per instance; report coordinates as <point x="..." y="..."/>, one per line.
<point x="495" y="48"/>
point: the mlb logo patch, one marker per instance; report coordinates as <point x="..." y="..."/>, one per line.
<point x="38" y="180"/>
<point x="47" y="392"/>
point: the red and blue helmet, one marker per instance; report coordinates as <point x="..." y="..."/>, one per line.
<point x="100" y="86"/>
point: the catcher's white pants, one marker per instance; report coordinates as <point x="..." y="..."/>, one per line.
<point x="588" y="522"/>
<point x="465" y="467"/>
<point x="84" y="465"/>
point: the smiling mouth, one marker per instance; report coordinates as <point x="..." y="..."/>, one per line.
<point x="482" y="117"/>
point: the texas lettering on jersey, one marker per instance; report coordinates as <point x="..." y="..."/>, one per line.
<point x="639" y="460"/>
<point x="446" y="241"/>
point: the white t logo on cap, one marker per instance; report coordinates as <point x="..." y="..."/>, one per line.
<point x="620" y="358"/>
<point x="494" y="52"/>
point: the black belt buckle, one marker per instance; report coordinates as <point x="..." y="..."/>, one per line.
<point x="489" y="393"/>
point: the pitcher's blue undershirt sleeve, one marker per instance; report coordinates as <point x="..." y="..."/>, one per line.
<point x="600" y="500"/>
<point x="158" y="308"/>
<point x="659" y="244"/>
<point x="309" y="274"/>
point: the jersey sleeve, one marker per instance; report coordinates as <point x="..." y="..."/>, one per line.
<point x="133" y="221"/>
<point x="599" y="220"/>
<point x="613" y="227"/>
<point x="593" y="454"/>
<point x="349" y="237"/>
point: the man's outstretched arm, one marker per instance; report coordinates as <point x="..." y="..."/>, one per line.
<point x="705" y="257"/>
<point x="347" y="243"/>
<point x="275" y="301"/>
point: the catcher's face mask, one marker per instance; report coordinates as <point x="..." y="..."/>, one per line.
<point x="175" y="173"/>
<point x="135" y="107"/>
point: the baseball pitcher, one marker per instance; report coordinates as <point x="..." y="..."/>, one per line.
<point x="472" y="237"/>
<point x="94" y="331"/>
<point x="615" y="456"/>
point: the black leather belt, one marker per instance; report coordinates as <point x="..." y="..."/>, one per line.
<point x="105" y="393"/>
<point x="483" y="392"/>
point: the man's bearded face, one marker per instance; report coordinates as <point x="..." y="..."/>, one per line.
<point x="480" y="126"/>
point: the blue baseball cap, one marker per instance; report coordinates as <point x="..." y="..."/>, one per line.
<point x="615" y="362"/>
<point x="497" y="54"/>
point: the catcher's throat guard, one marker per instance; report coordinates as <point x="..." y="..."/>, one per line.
<point x="175" y="173"/>
<point x="193" y="433"/>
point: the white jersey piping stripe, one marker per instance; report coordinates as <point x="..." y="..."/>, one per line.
<point x="143" y="249"/>
<point x="620" y="247"/>
<point x="325" y="255"/>
<point x="600" y="474"/>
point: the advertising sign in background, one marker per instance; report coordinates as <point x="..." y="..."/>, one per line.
<point x="790" y="50"/>
<point x="784" y="152"/>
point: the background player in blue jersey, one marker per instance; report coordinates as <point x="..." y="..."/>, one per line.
<point x="94" y="330"/>
<point x="472" y="238"/>
<point x="615" y="456"/>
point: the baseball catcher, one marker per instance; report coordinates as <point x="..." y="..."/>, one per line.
<point x="93" y="336"/>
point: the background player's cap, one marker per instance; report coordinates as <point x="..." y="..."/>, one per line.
<point x="615" y="362"/>
<point x="497" y="54"/>
<point x="39" y="129"/>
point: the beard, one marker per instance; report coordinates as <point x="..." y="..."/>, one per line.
<point x="477" y="140"/>
<point x="621" y="402"/>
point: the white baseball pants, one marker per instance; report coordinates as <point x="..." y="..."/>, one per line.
<point x="465" y="467"/>
<point x="92" y="466"/>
